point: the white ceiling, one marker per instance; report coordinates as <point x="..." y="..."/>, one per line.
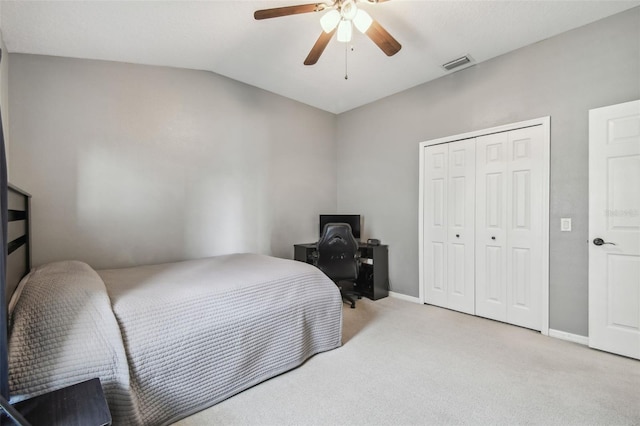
<point x="223" y="37"/>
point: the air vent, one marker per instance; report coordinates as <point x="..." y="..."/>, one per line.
<point x="456" y="63"/>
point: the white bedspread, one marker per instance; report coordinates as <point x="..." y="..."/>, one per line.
<point x="194" y="332"/>
<point x="63" y="331"/>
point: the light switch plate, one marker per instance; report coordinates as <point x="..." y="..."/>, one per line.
<point x="565" y="224"/>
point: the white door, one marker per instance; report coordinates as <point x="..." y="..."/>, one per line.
<point x="460" y="228"/>
<point x="509" y="226"/>
<point x="436" y="159"/>
<point x="525" y="210"/>
<point x="491" y="226"/>
<point x="614" y="229"/>
<point x="449" y="215"/>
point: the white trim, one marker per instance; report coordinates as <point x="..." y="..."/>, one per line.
<point x="563" y="335"/>
<point x="498" y="129"/>
<point x="404" y="297"/>
<point x="545" y="122"/>
<point x="546" y="127"/>
<point x="421" y="227"/>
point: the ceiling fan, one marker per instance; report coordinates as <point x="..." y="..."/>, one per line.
<point x="339" y="18"/>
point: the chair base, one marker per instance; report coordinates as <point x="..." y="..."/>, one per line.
<point x="348" y="298"/>
<point x="347" y="295"/>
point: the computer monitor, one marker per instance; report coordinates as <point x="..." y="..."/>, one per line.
<point x="351" y="219"/>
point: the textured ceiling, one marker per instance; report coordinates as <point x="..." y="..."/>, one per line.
<point x="223" y="37"/>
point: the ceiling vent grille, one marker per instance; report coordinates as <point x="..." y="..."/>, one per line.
<point x="456" y="63"/>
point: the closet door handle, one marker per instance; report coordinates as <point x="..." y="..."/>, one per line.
<point x="493" y="238"/>
<point x="457" y="235"/>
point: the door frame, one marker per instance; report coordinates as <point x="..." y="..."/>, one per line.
<point x="545" y="122"/>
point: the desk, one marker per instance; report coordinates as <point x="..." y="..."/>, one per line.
<point x="373" y="277"/>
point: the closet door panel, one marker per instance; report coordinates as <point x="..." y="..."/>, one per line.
<point x="461" y="226"/>
<point x="493" y="291"/>
<point x="436" y="159"/>
<point x="524" y="222"/>
<point x="491" y="226"/>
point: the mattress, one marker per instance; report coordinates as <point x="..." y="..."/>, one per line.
<point x="169" y="340"/>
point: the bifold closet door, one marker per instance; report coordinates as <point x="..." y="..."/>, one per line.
<point x="509" y="195"/>
<point x="449" y="203"/>
<point x="436" y="159"/>
<point x="461" y="226"/>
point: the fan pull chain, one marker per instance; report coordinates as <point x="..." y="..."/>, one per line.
<point x="346" y="69"/>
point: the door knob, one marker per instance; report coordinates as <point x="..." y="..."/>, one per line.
<point x="493" y="238"/>
<point x="457" y="235"/>
<point x="600" y="241"/>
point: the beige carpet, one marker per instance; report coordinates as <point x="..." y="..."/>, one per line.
<point x="403" y="363"/>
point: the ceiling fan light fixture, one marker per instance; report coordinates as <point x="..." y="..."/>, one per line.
<point x="339" y="16"/>
<point x="344" y="31"/>
<point x="362" y="21"/>
<point x="330" y="20"/>
<point x="348" y="10"/>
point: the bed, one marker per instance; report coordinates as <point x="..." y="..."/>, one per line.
<point x="167" y="340"/>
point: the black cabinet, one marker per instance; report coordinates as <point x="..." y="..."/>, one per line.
<point x="373" y="278"/>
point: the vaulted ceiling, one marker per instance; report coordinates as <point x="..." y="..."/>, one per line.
<point x="223" y="37"/>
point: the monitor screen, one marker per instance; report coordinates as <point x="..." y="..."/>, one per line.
<point x="351" y="219"/>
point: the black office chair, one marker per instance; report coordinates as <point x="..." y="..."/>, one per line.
<point x="338" y="257"/>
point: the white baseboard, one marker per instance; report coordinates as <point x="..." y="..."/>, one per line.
<point x="576" y="338"/>
<point x="404" y="297"/>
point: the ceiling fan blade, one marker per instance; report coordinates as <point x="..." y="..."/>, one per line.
<point x="288" y="10"/>
<point x="383" y="39"/>
<point x="319" y="47"/>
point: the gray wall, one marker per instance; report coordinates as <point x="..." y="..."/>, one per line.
<point x="562" y="77"/>
<point x="131" y="164"/>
